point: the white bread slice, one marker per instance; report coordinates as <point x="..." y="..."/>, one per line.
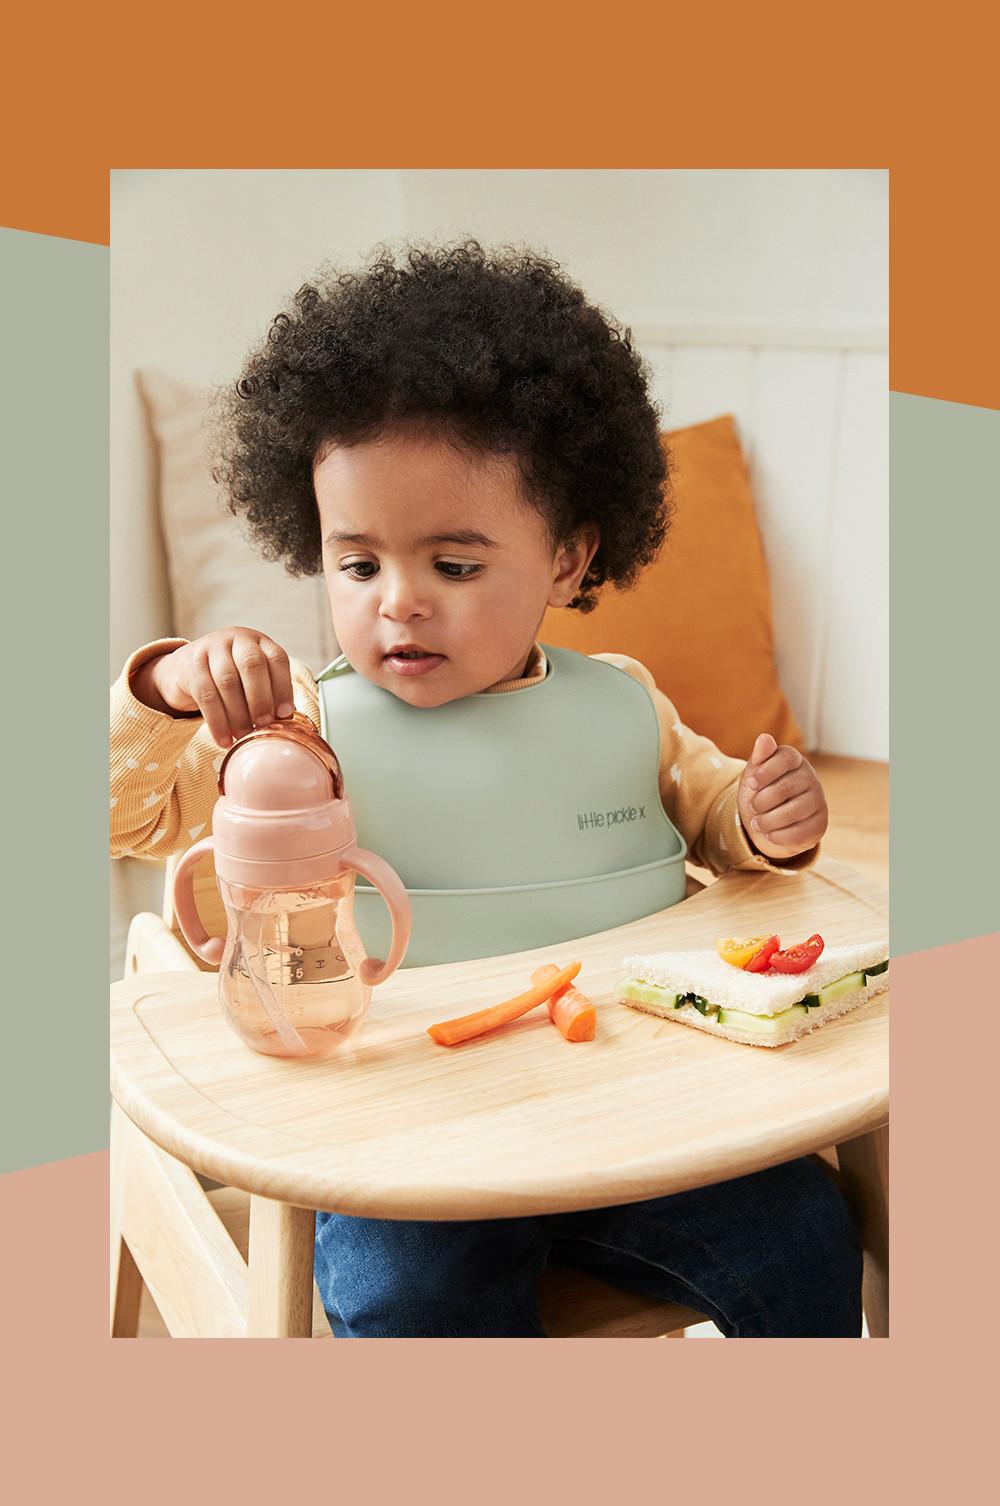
<point x="798" y="1026"/>
<point x="704" y="972"/>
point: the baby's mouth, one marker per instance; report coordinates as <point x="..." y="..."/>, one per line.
<point x="413" y="661"/>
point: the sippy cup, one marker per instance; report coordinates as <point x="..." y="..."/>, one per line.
<point x="294" y="979"/>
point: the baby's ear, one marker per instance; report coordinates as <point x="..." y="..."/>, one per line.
<point x="572" y="560"/>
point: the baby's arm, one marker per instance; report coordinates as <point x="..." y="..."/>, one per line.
<point x="700" y="790"/>
<point x="164" y="764"/>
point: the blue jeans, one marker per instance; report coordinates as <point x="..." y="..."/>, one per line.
<point x="771" y="1255"/>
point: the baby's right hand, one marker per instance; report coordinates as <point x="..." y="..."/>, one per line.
<point x="236" y="678"/>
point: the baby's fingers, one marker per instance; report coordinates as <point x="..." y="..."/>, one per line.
<point x="785" y="814"/>
<point x="798" y="837"/>
<point x="208" y="698"/>
<point x="226" y="712"/>
<point x="254" y="666"/>
<point x="782" y="761"/>
<point x="280" y="672"/>
<point x="787" y="787"/>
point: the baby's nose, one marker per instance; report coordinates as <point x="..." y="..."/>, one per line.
<point x="401" y="600"/>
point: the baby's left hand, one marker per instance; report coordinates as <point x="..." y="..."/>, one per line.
<point x="780" y="800"/>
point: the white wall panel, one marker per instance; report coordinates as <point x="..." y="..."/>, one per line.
<point x="792" y="434"/>
<point x="853" y="692"/>
<point x="794" y="250"/>
<point x="814" y="426"/>
<point x="708" y="380"/>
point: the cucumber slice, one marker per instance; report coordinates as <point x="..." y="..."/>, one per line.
<point x="880" y="967"/>
<point x="762" y="1024"/>
<point x="847" y="985"/>
<point x="648" y="993"/>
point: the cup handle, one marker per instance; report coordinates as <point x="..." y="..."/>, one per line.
<point x="209" y="948"/>
<point x="388" y="883"/>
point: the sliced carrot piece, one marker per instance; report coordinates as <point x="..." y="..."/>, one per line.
<point x="453" y="1032"/>
<point x="570" y="1010"/>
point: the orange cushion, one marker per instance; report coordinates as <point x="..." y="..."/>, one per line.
<point x="700" y="616"/>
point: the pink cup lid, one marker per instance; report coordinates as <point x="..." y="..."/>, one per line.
<point x="282" y="816"/>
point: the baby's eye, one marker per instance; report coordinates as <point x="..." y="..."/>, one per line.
<point x="454" y="571"/>
<point x="364" y="566"/>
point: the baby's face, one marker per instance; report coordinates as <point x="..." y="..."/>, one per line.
<point x="431" y="548"/>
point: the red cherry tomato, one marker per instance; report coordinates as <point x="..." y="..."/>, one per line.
<point x="761" y="960"/>
<point x="796" y="959"/>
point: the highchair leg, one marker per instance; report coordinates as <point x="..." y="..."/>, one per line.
<point x="281" y="1270"/>
<point x="126" y="1282"/>
<point x="864" y="1169"/>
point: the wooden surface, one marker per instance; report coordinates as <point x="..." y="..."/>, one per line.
<point x="857" y="796"/>
<point x="520" y="1121"/>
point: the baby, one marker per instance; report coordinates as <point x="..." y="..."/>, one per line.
<point x="459" y="440"/>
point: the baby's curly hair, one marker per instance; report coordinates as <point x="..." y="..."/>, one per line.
<point x="498" y="350"/>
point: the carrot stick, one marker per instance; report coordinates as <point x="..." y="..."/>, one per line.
<point x="570" y="1010"/>
<point x="453" y="1032"/>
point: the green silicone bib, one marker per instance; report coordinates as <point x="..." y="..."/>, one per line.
<point x="516" y="820"/>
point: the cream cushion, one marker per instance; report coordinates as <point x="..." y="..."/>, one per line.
<point x="217" y="578"/>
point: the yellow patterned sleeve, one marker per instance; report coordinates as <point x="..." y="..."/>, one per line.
<point x="165" y="769"/>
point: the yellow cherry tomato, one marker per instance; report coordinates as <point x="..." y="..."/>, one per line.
<point x="740" y="952"/>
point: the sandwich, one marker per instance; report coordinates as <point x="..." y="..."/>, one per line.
<point x="757" y="1002"/>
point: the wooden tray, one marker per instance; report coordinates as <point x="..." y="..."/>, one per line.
<point x="520" y="1121"/>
